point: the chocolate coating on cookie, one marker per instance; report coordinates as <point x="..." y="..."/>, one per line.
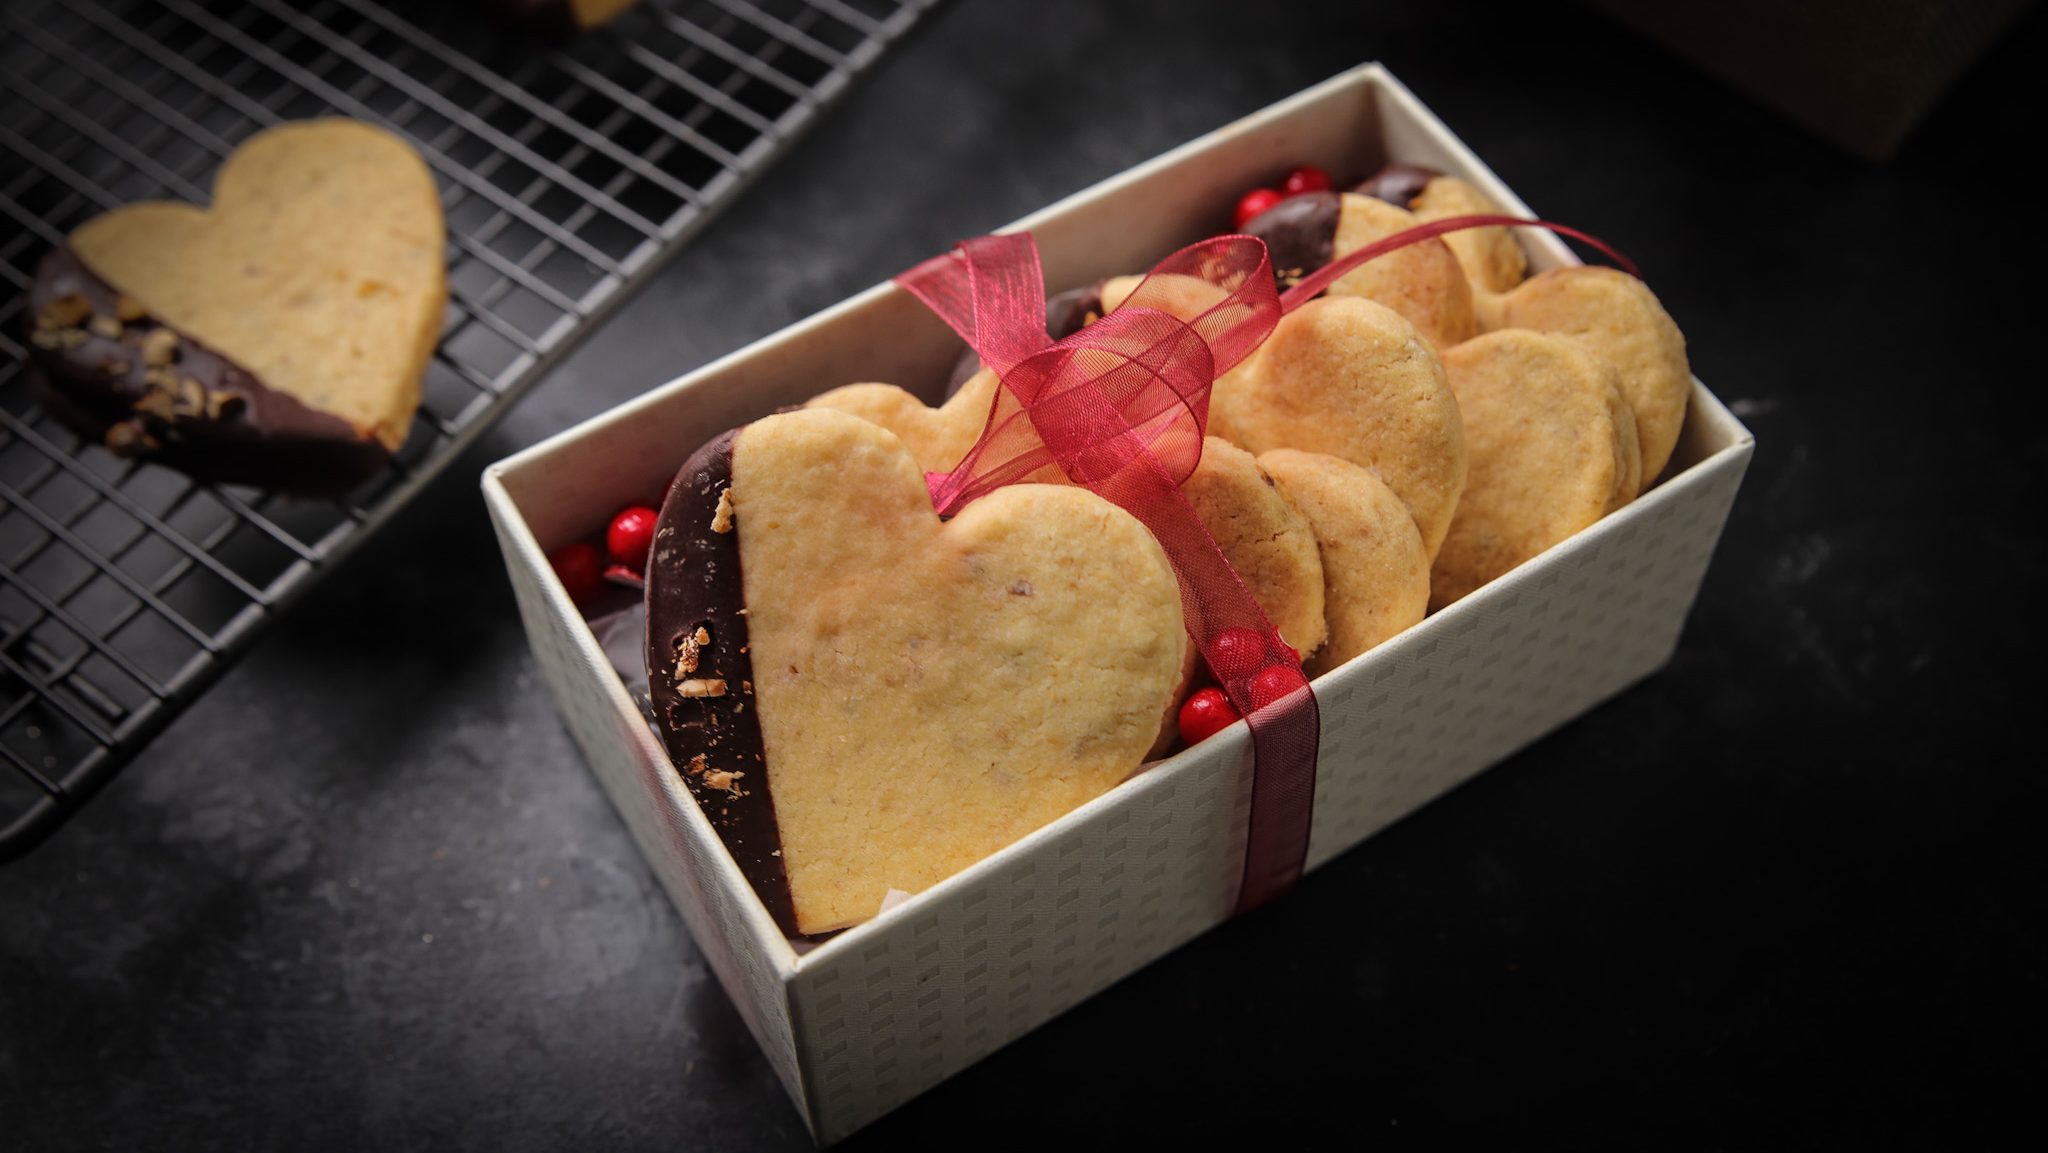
<point x="701" y="675"/>
<point x="1397" y="184"/>
<point x="1065" y="314"/>
<point x="115" y="374"/>
<point x="1300" y="234"/>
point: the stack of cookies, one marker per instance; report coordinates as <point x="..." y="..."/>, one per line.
<point x="864" y="698"/>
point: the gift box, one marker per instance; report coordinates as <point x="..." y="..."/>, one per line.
<point x="873" y="1016"/>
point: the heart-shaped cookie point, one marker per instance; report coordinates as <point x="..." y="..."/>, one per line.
<point x="294" y="316"/>
<point x="863" y="697"/>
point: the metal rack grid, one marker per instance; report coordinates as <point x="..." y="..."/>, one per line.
<point x="567" y="175"/>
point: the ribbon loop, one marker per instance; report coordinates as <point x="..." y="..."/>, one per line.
<point x="1120" y="407"/>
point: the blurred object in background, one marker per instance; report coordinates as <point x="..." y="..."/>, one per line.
<point x="1861" y="74"/>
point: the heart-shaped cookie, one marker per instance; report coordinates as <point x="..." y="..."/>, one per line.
<point x="863" y="697"/>
<point x="1423" y="281"/>
<point x="1616" y="317"/>
<point x="1375" y="570"/>
<point x="1344" y="376"/>
<point x="1492" y="260"/>
<point x="300" y="310"/>
<point x="1552" y="448"/>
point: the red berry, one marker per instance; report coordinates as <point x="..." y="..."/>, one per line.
<point x="1205" y="714"/>
<point x="580" y="568"/>
<point x="1307" y="178"/>
<point x="1236" y="652"/>
<point x="1274" y="682"/>
<point x="631" y="535"/>
<point x="1255" y="202"/>
<point x="619" y="574"/>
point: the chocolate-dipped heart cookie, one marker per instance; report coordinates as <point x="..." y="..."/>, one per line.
<point x="278" y="339"/>
<point x="862" y="697"/>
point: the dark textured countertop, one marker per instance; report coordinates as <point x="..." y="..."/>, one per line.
<point x="1785" y="893"/>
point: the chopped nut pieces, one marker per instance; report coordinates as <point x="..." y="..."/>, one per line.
<point x="159" y="347"/>
<point x="694" y="687"/>
<point x="105" y="326"/>
<point x="698" y="763"/>
<point x="67" y="311"/>
<point x="721" y="517"/>
<point x="129" y="438"/>
<point x="159" y="403"/>
<point x="687" y="650"/>
<point x="128" y="308"/>
<point x="723" y="779"/>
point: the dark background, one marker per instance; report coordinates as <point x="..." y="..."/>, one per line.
<point x="1786" y="893"/>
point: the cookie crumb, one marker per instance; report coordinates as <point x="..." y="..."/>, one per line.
<point x="105" y="326"/>
<point x="698" y="764"/>
<point x="706" y="687"/>
<point x="159" y="347"/>
<point x="721" y="517"/>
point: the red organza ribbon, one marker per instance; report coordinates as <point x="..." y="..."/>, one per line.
<point x="1120" y="407"/>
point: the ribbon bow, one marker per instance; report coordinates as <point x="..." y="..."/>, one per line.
<point x="1120" y="408"/>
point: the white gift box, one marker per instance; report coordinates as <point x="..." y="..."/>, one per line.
<point x="876" y="1015"/>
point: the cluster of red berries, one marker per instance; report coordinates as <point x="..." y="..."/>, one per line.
<point x="1240" y="652"/>
<point x="1307" y="178"/>
<point x="583" y="568"/>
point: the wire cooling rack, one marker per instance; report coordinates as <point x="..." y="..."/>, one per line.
<point x="566" y="174"/>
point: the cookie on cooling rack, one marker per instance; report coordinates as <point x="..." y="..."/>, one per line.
<point x="277" y="339"/>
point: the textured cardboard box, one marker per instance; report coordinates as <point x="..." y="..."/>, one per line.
<point x="878" y="1014"/>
